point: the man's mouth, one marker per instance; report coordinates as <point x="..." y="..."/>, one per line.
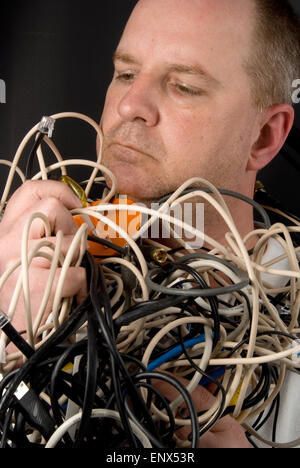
<point x="128" y="151"/>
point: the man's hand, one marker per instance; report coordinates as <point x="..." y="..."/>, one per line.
<point x="54" y="200"/>
<point x="226" y="432"/>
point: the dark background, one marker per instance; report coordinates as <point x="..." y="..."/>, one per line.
<point x="55" y="56"/>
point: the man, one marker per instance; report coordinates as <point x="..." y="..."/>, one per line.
<point x="183" y="97"/>
<point x="189" y="97"/>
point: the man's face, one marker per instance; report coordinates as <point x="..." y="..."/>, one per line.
<point x="179" y="105"/>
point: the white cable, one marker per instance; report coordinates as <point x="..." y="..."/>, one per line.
<point x="79" y="238"/>
<point x="96" y="413"/>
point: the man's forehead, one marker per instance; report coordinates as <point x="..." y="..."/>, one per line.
<point x="214" y="8"/>
<point x="209" y="30"/>
<point x="213" y="17"/>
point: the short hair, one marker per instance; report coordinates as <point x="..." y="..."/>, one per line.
<point x="274" y="61"/>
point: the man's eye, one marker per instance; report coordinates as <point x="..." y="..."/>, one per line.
<point x="188" y="90"/>
<point x="125" y="76"/>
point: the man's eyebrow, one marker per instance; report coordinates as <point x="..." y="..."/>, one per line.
<point x="123" y="57"/>
<point x="194" y="69"/>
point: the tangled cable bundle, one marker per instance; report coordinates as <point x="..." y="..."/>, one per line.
<point x="92" y="374"/>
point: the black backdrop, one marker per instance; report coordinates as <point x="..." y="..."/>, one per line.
<point x="55" y="56"/>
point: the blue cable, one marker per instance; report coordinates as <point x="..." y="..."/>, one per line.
<point x="174" y="352"/>
<point x="177" y="350"/>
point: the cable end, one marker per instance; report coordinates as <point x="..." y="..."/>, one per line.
<point x="46" y="126"/>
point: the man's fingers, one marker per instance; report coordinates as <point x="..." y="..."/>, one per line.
<point x="32" y="192"/>
<point x="45" y="262"/>
<point x="57" y="215"/>
<point x="29" y="197"/>
<point x="225" y="433"/>
<point x="201" y="397"/>
<point x="74" y="283"/>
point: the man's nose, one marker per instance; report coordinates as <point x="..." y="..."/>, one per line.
<point x="140" y="102"/>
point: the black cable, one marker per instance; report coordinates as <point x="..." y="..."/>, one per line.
<point x="154" y="439"/>
<point x="100" y="299"/>
<point x="144" y="309"/>
<point x="5" y="428"/>
<point x="18" y="436"/>
<point x="185" y="394"/>
<point x="261" y="419"/>
<point x="91" y="380"/>
<point x="14" y="336"/>
<point x="212" y="301"/>
<point x="56" y="382"/>
<point x="66" y="330"/>
<point x="260" y="334"/>
<point x="29" y="165"/>
<point x="116" y="384"/>
<point x="261" y="390"/>
<point x="5" y="381"/>
<point x="161" y="404"/>
<point x="230" y="193"/>
<point x="194" y="292"/>
<point x="250" y="440"/>
<point x="276" y="415"/>
<point x="107" y="243"/>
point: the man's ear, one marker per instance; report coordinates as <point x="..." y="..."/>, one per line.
<point x="275" y="125"/>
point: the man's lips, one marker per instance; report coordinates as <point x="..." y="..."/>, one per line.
<point x="129" y="149"/>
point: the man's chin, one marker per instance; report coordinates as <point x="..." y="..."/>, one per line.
<point x="136" y="197"/>
<point x="137" y="193"/>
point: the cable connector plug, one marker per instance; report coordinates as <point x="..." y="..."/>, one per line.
<point x="33" y="410"/>
<point x="154" y="254"/>
<point x="14" y="336"/>
<point x="46" y="126"/>
<point x="4" y="320"/>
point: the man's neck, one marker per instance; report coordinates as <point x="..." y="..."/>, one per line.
<point x="214" y="228"/>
